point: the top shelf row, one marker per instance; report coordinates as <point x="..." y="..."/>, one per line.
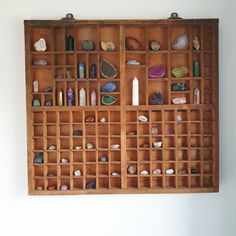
<point x="110" y="38"/>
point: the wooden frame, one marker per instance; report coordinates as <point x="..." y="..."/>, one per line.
<point x="191" y="143"/>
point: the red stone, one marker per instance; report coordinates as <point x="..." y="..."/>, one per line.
<point x="90" y="119"/>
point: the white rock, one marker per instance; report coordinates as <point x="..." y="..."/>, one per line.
<point x="115" y="146"/>
<point x="142" y="118"/>
<point x="157" y="144"/>
<point x="156" y="172"/>
<point x="154" y="130"/>
<point x="77" y="173"/>
<point x="64" y="160"/>
<point x="40" y="45"/>
<point x="180" y="100"/>
<point x="170" y="171"/>
<point x="78" y="147"/>
<point x="115" y="174"/>
<point x="53" y="147"/>
<point x="144" y="172"/>
<point x="178" y="118"/>
<point x="103" y="120"/>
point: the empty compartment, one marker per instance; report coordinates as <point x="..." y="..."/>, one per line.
<point x="170" y="182"/>
<point x="115" y="129"/>
<point x="169" y="129"/>
<point x="208" y="154"/>
<point x="64" y="171"/>
<point x="169" y="142"/>
<point x="64" y="117"/>
<point x="156" y="155"/>
<point x="195" y="128"/>
<point x="116" y="182"/>
<point x="132" y="182"/>
<point x="65" y="143"/>
<point x="52" y="157"/>
<point x="51" y="117"/>
<point x="144" y="155"/>
<point x="77" y="157"/>
<point x="90" y="170"/>
<point x="169" y="155"/>
<point x="102" y="130"/>
<point x="195" y="181"/>
<point x="78" y="184"/>
<point x="182" y="128"/>
<point x="38" y="131"/>
<point x="195" y="154"/>
<point x="208" y="181"/>
<point x="182" y="154"/>
<point x="59" y="39"/>
<point x="115" y="156"/>
<point x="64" y="130"/>
<point x="143" y="128"/>
<point x="182" y="142"/>
<point x="131" y="156"/>
<point x="157" y="182"/>
<point x="144" y="182"/>
<point x="90" y="129"/>
<point x="208" y="141"/>
<point x="38" y="117"/>
<point x="131" y="142"/>
<point x="131" y="116"/>
<point x="103" y="169"/>
<point x="38" y="171"/>
<point x="103" y="182"/>
<point x="102" y="143"/>
<point x="182" y="182"/>
<point x="90" y="156"/>
<point x="38" y="143"/>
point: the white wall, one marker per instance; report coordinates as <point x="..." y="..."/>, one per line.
<point x="167" y="215"/>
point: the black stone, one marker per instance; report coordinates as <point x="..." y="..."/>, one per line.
<point x="78" y="133"/>
<point x="91" y="184"/>
<point x="194" y="171"/>
<point x="70" y="43"/>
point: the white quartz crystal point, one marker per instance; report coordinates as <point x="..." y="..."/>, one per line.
<point x="82" y="97"/>
<point x="35" y="86"/>
<point x="135" y="92"/>
<point x="196" y="96"/>
<point x="93" y="98"/>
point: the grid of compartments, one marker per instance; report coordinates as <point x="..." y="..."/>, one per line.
<point x="175" y="150"/>
<point x="186" y="147"/>
<point x="71" y="153"/>
<point x="203" y="79"/>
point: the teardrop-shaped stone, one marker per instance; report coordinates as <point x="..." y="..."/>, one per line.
<point x="107" y="69"/>
<point x="108" y="100"/>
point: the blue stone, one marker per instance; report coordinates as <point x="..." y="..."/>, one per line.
<point x="38" y="159"/>
<point x="103" y="159"/>
<point x="48" y="103"/>
<point x="36" y="103"/>
<point x="156" y="99"/>
<point x="108" y="87"/>
<point x="91" y="184"/>
<point x="78" y="133"/>
<point x="48" y="89"/>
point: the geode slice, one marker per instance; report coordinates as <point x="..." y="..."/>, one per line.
<point x="157" y="71"/>
<point x="108" y="87"/>
<point x="156" y="99"/>
<point x="107" y="69"/>
<point x="132" y="44"/>
<point x="108" y="46"/>
<point x="108" y="100"/>
<point x="181" y="42"/>
<point x="180" y="71"/>
<point x="40" y="45"/>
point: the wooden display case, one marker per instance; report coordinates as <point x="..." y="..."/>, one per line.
<point x="189" y="146"/>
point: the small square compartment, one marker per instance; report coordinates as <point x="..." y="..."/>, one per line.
<point x="195" y="154"/>
<point x="143" y="128"/>
<point x="51" y="142"/>
<point x="77" y="157"/>
<point x="77" y="143"/>
<point x="182" y="168"/>
<point x="157" y="182"/>
<point x="64" y="130"/>
<point x="64" y="117"/>
<point x="195" y="181"/>
<point x="102" y="114"/>
<point x="131" y="156"/>
<point x="131" y="142"/>
<point x="51" y="130"/>
<point x="156" y="127"/>
<point x="90" y="129"/>
<point x="182" y="182"/>
<point x="132" y="182"/>
<point x="208" y="168"/>
<point x="183" y="114"/>
<point x="65" y="155"/>
<point x="143" y="142"/>
<point x="64" y="171"/>
<point x="208" y="154"/>
<point x="103" y="183"/>
<point x="115" y="156"/>
<point x="38" y="117"/>
<point x="156" y="116"/>
<point x="144" y="155"/>
<point x="116" y="182"/>
<point x="131" y="116"/>
<point x="103" y="143"/>
<point x="208" y="141"/>
<point x="77" y="117"/>
<point x="38" y="171"/>
<point x="156" y="155"/>
<point x="115" y="168"/>
<point x="195" y="141"/>
<point x="169" y="115"/>
<point x="170" y="182"/>
<point x="169" y="142"/>
<point x="169" y="155"/>
<point x="51" y="171"/>
<point x="52" y="157"/>
<point x="90" y="156"/>
<point x="169" y="129"/>
<point x="156" y="166"/>
<point x="65" y="181"/>
<point x="208" y="128"/>
<point x="38" y="130"/>
<point x="115" y="129"/>
<point x="195" y="128"/>
<point x="78" y="184"/>
<point x="182" y="128"/>
<point x="144" y="182"/>
<point x="182" y="154"/>
<point x="208" y="181"/>
<point x="90" y="170"/>
<point x="102" y="129"/>
<point x="38" y="144"/>
<point x="65" y="143"/>
<point x="51" y="117"/>
<point x="182" y="142"/>
<point x="195" y="115"/>
<point x="103" y="169"/>
<point x="52" y="183"/>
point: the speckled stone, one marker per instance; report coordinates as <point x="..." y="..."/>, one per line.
<point x="38" y="159"/>
<point x="103" y="159"/>
<point x="132" y="169"/>
<point x="91" y="184"/>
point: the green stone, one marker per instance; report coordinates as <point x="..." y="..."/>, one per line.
<point x="108" y="100"/>
<point x="178" y="87"/>
<point x="36" y="103"/>
<point x="88" y="45"/>
<point x="108" y="70"/>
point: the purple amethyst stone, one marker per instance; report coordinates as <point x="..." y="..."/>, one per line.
<point x="156" y="99"/>
<point x="157" y="71"/>
<point x="70" y="97"/>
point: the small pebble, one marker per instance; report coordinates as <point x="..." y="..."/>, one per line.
<point x="170" y="171"/>
<point x="89" y="146"/>
<point x="142" y="118"/>
<point x="194" y="171"/>
<point x="115" y="174"/>
<point x="131" y="133"/>
<point x="38" y="159"/>
<point x="64" y="187"/>
<point x="64" y="160"/>
<point x="103" y="159"/>
<point x="178" y="118"/>
<point x="39" y="187"/>
<point x="78" y="147"/>
<point x="59" y="77"/>
<point x="48" y="103"/>
<point x="115" y="146"/>
<point x="52" y="187"/>
<point x="156" y="172"/>
<point x="144" y="172"/>
<point x="51" y="148"/>
<point x="77" y="173"/>
<point x="145" y="145"/>
<point x="78" y="133"/>
<point x="91" y="184"/>
<point x="183" y="172"/>
<point x="103" y="120"/>
<point x="51" y="174"/>
<point x="90" y="119"/>
<point x="154" y="130"/>
<point x="48" y="89"/>
<point x="157" y="144"/>
<point x="132" y="169"/>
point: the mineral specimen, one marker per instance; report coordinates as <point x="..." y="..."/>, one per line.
<point x="132" y="44"/>
<point x="180" y="43"/>
<point x="108" y="100"/>
<point x="157" y="71"/>
<point x="108" y="87"/>
<point x="156" y="99"/>
<point x="108" y="70"/>
<point x="40" y="45"/>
